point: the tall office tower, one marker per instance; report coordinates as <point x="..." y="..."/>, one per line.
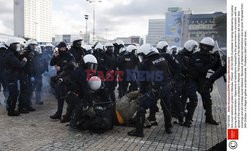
<point x="156" y="31"/>
<point x="33" y="19"/>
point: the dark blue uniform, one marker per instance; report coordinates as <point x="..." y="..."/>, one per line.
<point x="78" y="53"/>
<point x="13" y="67"/>
<point x="110" y="65"/>
<point x="188" y="85"/>
<point x="200" y="64"/>
<point x="154" y="89"/>
<point x="3" y="51"/>
<point x="26" y="85"/>
<point x="127" y="63"/>
<point x="40" y="66"/>
<point x="63" y="60"/>
<point x="175" y="95"/>
<point x="77" y="94"/>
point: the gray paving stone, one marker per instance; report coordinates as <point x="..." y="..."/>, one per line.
<point x="36" y="132"/>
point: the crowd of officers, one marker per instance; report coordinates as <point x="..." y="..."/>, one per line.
<point x="87" y="78"/>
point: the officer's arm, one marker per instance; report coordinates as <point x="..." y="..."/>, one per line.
<point x="211" y="65"/>
<point x="84" y="89"/>
<point x="218" y="73"/>
<point x="142" y="83"/>
<point x="119" y="61"/>
<point x="54" y="61"/>
<point x="192" y="68"/>
<point x="176" y="67"/>
<point x="16" y="63"/>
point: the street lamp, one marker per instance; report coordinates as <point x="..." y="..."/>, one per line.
<point x="86" y="33"/>
<point x="93" y="2"/>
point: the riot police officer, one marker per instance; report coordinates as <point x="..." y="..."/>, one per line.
<point x="162" y="48"/>
<point x="26" y="91"/>
<point x="40" y="65"/>
<point x="78" y="89"/>
<point x="118" y="48"/>
<point x="3" y="51"/>
<point x="152" y="88"/>
<point x="87" y="49"/>
<point x="13" y="66"/>
<point x="173" y="51"/>
<point x="188" y="89"/>
<point x="110" y="68"/>
<point x="76" y="50"/>
<point x="200" y="63"/>
<point x="126" y="63"/>
<point x="61" y="60"/>
<point x="175" y="96"/>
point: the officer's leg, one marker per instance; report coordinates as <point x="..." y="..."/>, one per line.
<point x="5" y="90"/>
<point x="12" y="98"/>
<point x="121" y="89"/>
<point x="60" y="92"/>
<point x="152" y="111"/>
<point x="29" y="94"/>
<point x="76" y="113"/>
<point x="166" y="107"/>
<point x="184" y="96"/>
<point x="177" y="100"/>
<point x="38" y="88"/>
<point x="207" y="104"/>
<point x="125" y="87"/>
<point x="23" y="97"/>
<point x="112" y="94"/>
<point x="146" y="101"/>
<point x="193" y="101"/>
<point x="70" y="99"/>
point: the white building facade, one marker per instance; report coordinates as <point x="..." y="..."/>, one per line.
<point x="33" y="19"/>
<point x="156" y="31"/>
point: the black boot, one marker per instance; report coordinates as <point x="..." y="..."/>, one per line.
<point x="189" y="117"/>
<point x="209" y="115"/>
<point x="13" y="113"/>
<point x="211" y="121"/>
<point x="11" y="105"/>
<point x="168" y="130"/>
<point x="56" y="116"/>
<point x="75" y="116"/>
<point x="65" y="118"/>
<point x="152" y="118"/>
<point x="187" y="123"/>
<point x="140" y="118"/>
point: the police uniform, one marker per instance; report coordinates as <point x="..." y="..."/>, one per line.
<point x="200" y="63"/>
<point x="188" y="85"/>
<point x="64" y="59"/>
<point x="109" y="65"/>
<point x="152" y="90"/>
<point x="127" y="63"/>
<point x="78" y="53"/>
<point x="13" y="66"/>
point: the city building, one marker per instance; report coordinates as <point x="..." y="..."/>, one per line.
<point x="180" y="26"/>
<point x="202" y="25"/>
<point x="131" y="40"/>
<point x="156" y="30"/>
<point x="33" y="19"/>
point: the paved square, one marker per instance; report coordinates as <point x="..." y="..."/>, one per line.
<point x="35" y="131"/>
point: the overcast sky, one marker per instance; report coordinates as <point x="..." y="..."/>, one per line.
<point x="117" y="17"/>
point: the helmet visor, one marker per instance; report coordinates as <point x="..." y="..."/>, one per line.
<point x="92" y="66"/>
